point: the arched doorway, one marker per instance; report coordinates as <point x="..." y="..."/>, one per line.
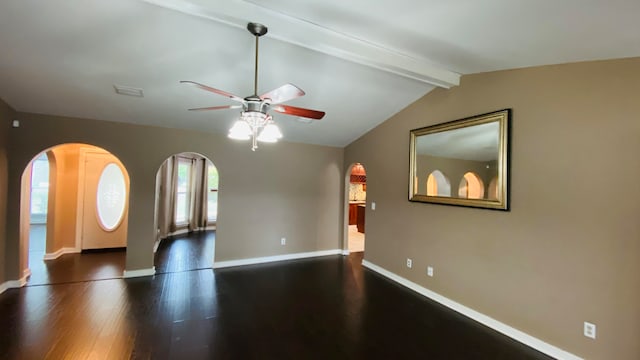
<point x="38" y="181"/>
<point x="74" y="200"/>
<point x="438" y="184"/>
<point x="492" y="190"/>
<point x="356" y="197"/>
<point x="471" y="186"/>
<point x="186" y="213"/>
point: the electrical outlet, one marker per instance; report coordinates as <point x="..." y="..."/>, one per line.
<point x="409" y="263"/>
<point x="283" y="241"/>
<point x="430" y="271"/>
<point x="373" y="205"/>
<point x="589" y="330"/>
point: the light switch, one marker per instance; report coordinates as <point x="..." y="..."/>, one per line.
<point x="16" y="123"/>
<point x="373" y="205"/>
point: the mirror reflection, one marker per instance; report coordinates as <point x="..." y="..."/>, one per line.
<point x="461" y="162"/>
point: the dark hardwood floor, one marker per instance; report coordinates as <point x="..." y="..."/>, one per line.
<point x="70" y="267"/>
<point x="323" y="308"/>
<point x="177" y="253"/>
<point x="185" y="252"/>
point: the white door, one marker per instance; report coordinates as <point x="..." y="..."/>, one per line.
<point x="105" y="202"/>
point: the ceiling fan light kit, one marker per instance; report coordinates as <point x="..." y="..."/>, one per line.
<point x="255" y="123"/>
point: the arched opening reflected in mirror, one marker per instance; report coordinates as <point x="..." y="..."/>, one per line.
<point x="438" y="184"/>
<point x="471" y="186"/>
<point x="492" y="190"/>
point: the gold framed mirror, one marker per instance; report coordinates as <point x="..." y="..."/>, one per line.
<point x="463" y="162"/>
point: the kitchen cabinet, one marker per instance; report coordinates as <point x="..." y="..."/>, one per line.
<point x="353" y="214"/>
<point x="360" y="218"/>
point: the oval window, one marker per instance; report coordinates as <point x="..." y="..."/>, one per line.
<point x="111" y="197"/>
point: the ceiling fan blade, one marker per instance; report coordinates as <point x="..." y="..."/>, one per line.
<point x="214" y="90"/>
<point x="296" y="111"/>
<point x="284" y="93"/>
<point x="217" y="107"/>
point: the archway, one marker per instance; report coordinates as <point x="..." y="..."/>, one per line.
<point x="186" y="213"/>
<point x="355" y="201"/>
<point x="438" y="184"/>
<point x="471" y="186"/>
<point x="74" y="200"/>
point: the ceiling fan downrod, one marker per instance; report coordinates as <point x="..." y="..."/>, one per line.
<point x="257" y="30"/>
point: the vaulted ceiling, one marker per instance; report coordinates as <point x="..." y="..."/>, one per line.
<point x="360" y="61"/>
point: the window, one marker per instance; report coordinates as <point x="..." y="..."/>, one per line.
<point x="212" y="192"/>
<point x="111" y="197"/>
<point x="183" y="191"/>
<point x="39" y="188"/>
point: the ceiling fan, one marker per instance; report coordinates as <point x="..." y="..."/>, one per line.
<point x="255" y="123"/>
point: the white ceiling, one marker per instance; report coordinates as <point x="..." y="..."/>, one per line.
<point x="360" y="61"/>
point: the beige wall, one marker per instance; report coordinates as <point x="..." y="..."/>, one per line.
<point x="62" y="221"/>
<point x="282" y="190"/>
<point x="6" y="116"/>
<point x="25" y="211"/>
<point x="569" y="249"/>
<point x="67" y="196"/>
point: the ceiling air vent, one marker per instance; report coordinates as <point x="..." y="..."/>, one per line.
<point x="128" y="90"/>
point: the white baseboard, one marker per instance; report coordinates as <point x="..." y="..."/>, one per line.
<point x="25" y="275"/>
<point x="139" y="273"/>
<point x="178" y="232"/>
<point x="186" y="231"/>
<point x="346" y="252"/>
<point x="60" y="252"/>
<point x="11" y="284"/>
<point x="477" y="316"/>
<point x="260" y="260"/>
<point x="14" y="284"/>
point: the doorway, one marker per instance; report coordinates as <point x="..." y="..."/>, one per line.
<point x="186" y="213"/>
<point x="38" y="208"/>
<point x="74" y="200"/>
<point x="357" y="199"/>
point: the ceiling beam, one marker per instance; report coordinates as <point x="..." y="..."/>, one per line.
<point x="315" y="37"/>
